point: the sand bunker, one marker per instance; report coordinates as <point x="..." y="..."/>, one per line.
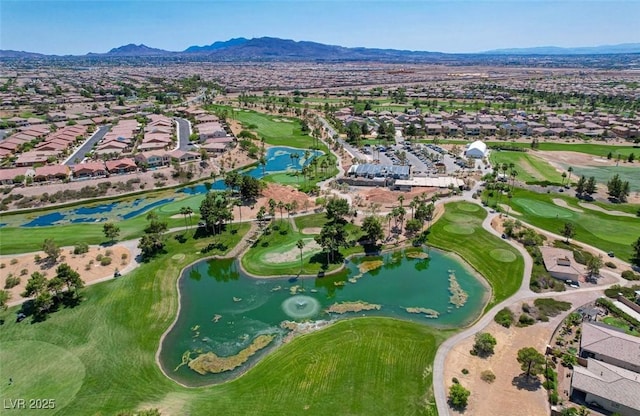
<point x="562" y="203"/>
<point x="293" y="254"/>
<point x="595" y="207"/>
<point x="345" y="307"/>
<point x="211" y="363"/>
<point x="311" y="230"/>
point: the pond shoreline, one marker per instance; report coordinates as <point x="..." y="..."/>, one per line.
<point x="468" y="268"/>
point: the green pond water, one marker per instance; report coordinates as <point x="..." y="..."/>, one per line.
<point x="246" y="307"/>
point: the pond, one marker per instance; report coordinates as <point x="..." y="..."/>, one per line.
<point x="278" y="159"/>
<point x="228" y="320"/>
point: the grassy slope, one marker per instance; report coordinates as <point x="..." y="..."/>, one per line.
<point x="504" y="278"/>
<point x="607" y="232"/>
<point x="116" y="329"/>
<point x="581" y="147"/>
<point x="529" y="167"/>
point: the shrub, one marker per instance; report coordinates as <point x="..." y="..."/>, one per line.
<point x="505" y="317"/>
<point x="465" y="371"/>
<point x="12" y="281"/>
<point x="124" y="256"/>
<point x="525" y="320"/>
<point x="610" y="265"/>
<point x="108" y="253"/>
<point x="630" y="275"/>
<point x="458" y="396"/>
<point x="13" y="261"/>
<point x="99" y="257"/>
<point x="105" y="261"/>
<point x="488" y="376"/>
<point x="24" y="272"/>
<point x="37" y="258"/>
<point x="554" y="398"/>
<point x="485" y="342"/>
<point x="81" y="248"/>
<point x="551" y="307"/>
<point x="2" y="265"/>
<point x="526" y="308"/>
<point x="455" y="380"/>
<point x="88" y="266"/>
<point x="627" y="292"/>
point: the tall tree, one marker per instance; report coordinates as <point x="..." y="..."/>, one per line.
<point x="591" y="186"/>
<point x="70" y="277"/>
<point x="300" y="244"/>
<point x="337" y="209"/>
<point x="635" y="259"/>
<point x="618" y="189"/>
<point x="186" y="211"/>
<point x="111" y="231"/>
<point x="215" y="211"/>
<point x="51" y="249"/>
<point x="531" y="361"/>
<point x="568" y="231"/>
<point x="593" y="266"/>
<point x="485" y="342"/>
<point x="581" y="186"/>
<point x="372" y="228"/>
<point x="570" y="170"/>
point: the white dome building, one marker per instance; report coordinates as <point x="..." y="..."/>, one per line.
<point x="477" y="149"/>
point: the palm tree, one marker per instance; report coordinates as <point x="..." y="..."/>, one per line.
<point x="300" y="245"/>
<point x="280" y="206"/>
<point x="569" y="169"/>
<point x="389" y="218"/>
<point x="263" y="163"/>
<point x="564" y="176"/>
<point x="401" y="199"/>
<point x="238" y="202"/>
<point x="186" y="211"/>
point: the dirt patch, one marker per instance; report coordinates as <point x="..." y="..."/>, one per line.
<point x="86" y="264"/>
<point x="292" y="255"/>
<point x="562" y="203"/>
<point x="595" y="207"/>
<point x="389" y="199"/>
<point x="311" y="230"/>
<point x="573" y="158"/>
<point x="504" y="393"/>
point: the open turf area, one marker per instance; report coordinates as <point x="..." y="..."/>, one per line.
<point x="99" y="357"/>
<point x="460" y="230"/>
<point x="604" y="173"/>
<point x="275" y="252"/>
<point x="607" y="232"/>
<point x="530" y="168"/>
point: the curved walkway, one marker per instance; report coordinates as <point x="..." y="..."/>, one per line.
<point x="524" y="293"/>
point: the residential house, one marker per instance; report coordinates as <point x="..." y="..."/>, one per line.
<point x="561" y="264"/>
<point x="121" y="166"/>
<point x="89" y="170"/>
<point x="52" y="173"/>
<point x="181" y="156"/>
<point x="154" y="159"/>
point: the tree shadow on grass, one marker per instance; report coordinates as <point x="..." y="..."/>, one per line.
<point x="525" y="382"/>
<point x="321" y="259"/>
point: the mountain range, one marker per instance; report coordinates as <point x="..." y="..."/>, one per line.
<point x="268" y="48"/>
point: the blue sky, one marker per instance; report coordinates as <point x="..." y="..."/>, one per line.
<point x="81" y="26"/>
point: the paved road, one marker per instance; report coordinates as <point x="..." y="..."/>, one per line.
<point x="86" y="147"/>
<point x="184" y="131"/>
<point x="522" y="294"/>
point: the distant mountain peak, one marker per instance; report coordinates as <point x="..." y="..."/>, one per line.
<point x="132" y="49"/>
<point x="216" y="45"/>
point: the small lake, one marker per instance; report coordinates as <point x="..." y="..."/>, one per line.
<point x="278" y="159"/>
<point x="223" y="311"/>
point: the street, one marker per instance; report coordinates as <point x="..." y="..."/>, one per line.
<point x="80" y="153"/>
